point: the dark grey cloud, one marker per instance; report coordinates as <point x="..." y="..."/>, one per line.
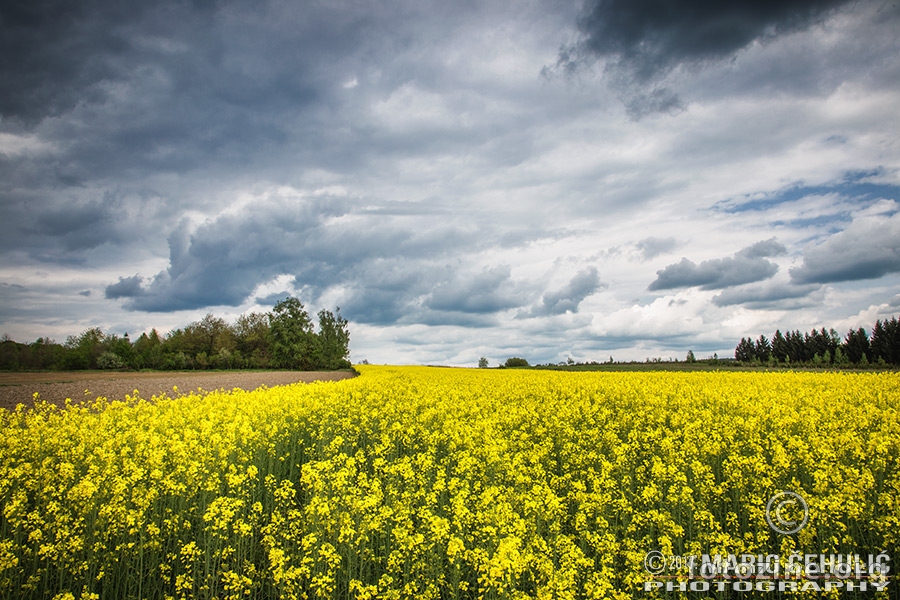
<point x="427" y="288"/>
<point x="566" y="299"/>
<point x="487" y="292"/>
<point x="223" y="260"/>
<point x="650" y="37"/>
<point x="769" y="296"/>
<point x="67" y="231"/>
<point x="176" y="87"/>
<point x="869" y="248"/>
<point x="126" y="287"/>
<point x="746" y="266"/>
<point x="381" y="268"/>
<point x="763" y="249"/>
<point x="53" y="52"/>
<point x="451" y="318"/>
<point x="652" y="247"/>
<point x="659" y="100"/>
<point x="57" y="55"/>
<point x="385" y="290"/>
<point x="80" y="226"/>
<point x="270" y="299"/>
<point x="386" y="269"/>
<point x="375" y="306"/>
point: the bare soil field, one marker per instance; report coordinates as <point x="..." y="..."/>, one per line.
<point x="55" y="387"/>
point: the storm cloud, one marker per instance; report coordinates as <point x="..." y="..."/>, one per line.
<point x="650" y="37"/>
<point x="745" y="266"/>
<point x="567" y="298"/>
<point x="318" y="241"/>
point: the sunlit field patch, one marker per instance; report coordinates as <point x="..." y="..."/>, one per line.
<point x="413" y="482"/>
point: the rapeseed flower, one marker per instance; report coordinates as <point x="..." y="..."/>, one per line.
<point x="438" y="483"/>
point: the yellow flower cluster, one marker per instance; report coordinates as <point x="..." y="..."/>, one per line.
<point x="414" y="482"/>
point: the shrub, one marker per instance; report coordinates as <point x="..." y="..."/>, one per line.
<point x="110" y="360"/>
<point x="515" y="361"/>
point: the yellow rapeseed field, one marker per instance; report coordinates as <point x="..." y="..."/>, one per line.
<point x="413" y="482"/>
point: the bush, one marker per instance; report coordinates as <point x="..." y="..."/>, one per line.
<point x="110" y="360"/>
<point x="515" y="361"/>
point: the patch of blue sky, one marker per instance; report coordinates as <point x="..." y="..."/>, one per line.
<point x="855" y="185"/>
<point x="817" y="222"/>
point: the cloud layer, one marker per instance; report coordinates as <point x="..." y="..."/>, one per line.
<point x="540" y="179"/>
<point x="653" y="36"/>
<point x="746" y="266"/>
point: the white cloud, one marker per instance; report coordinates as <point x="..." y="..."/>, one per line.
<point x="27" y="145"/>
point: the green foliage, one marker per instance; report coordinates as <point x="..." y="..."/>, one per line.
<point x="148" y="351"/>
<point x="745" y="351"/>
<point x="333" y="341"/>
<point x="251" y="333"/>
<point x="762" y="349"/>
<point x="823" y="348"/>
<point x="283" y="338"/>
<point x="83" y="351"/>
<point x="856" y="344"/>
<point x="291" y="337"/>
<point x="110" y="360"/>
<point x="294" y="345"/>
<point x="515" y="361"/>
<point x="482" y="363"/>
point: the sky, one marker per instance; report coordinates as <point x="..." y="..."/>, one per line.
<point x="545" y="179"/>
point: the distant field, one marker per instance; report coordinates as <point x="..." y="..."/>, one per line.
<point x="648" y="366"/>
<point x="722" y="365"/>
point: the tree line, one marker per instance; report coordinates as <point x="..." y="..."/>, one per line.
<point x="821" y="347"/>
<point x="284" y="338"/>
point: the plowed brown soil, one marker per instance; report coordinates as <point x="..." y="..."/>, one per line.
<point x="19" y="388"/>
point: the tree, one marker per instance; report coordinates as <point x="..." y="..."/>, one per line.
<point x="252" y="333"/>
<point x="44" y="353"/>
<point x="884" y="345"/>
<point x="690" y="357"/>
<point x="291" y="339"/>
<point x="333" y="341"/>
<point x="149" y="351"/>
<point x="797" y="346"/>
<point x="745" y="350"/>
<point x="123" y="348"/>
<point x="207" y="335"/>
<point x="9" y="354"/>
<point x="856" y="345"/>
<point x="110" y="360"/>
<point x="879" y="345"/>
<point x="839" y="357"/>
<point x="515" y="361"/>
<point x="82" y="351"/>
<point x="779" y="346"/>
<point x="834" y="340"/>
<point x="482" y="363"/>
<point x="763" y="349"/>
